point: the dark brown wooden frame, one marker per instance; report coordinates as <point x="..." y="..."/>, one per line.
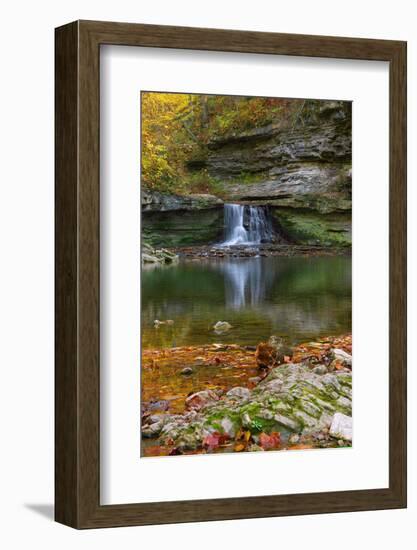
<point x="77" y="372"/>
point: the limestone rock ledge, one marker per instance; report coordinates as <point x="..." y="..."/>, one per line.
<point x="176" y="221"/>
<point x="154" y="201"/>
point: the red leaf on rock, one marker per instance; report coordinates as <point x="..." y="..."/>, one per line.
<point x="269" y="441"/>
<point x="212" y="441"/>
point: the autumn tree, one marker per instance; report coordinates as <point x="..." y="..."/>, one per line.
<point x="178" y="127"/>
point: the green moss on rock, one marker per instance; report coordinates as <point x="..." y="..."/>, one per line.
<point x="182" y="228"/>
<point x="311" y="228"/>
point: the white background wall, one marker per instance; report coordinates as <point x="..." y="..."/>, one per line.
<point x="26" y="272"/>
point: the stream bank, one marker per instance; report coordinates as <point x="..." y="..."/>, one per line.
<point x="303" y="400"/>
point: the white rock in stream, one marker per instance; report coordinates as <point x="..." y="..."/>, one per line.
<point x="341" y="355"/>
<point x="341" y="427"/>
<point x="222" y="326"/>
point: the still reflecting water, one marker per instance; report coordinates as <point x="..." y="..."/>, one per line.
<point x="298" y="298"/>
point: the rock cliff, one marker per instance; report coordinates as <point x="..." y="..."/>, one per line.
<point x="304" y="174"/>
<point x="175" y="221"/>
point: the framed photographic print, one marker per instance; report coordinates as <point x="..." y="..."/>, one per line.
<point x="230" y="274"/>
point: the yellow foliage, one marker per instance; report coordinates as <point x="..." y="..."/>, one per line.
<point x="160" y="125"/>
<point x="177" y="127"/>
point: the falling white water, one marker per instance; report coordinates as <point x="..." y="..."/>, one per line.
<point x="259" y="226"/>
<point x="235" y="233"/>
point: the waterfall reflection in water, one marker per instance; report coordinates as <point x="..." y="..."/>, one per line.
<point x="297" y="297"/>
<point x="245" y="282"/>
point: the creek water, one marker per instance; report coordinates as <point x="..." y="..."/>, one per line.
<point x="299" y="298"/>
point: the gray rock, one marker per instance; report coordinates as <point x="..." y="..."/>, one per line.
<point x="266" y="414"/>
<point x="330" y="380"/>
<point x="153" y="418"/>
<point x="186" y="371"/>
<point x="228" y="427"/>
<point x="246" y="420"/>
<point x="309" y="423"/>
<point x="287" y="422"/>
<point x="342" y="355"/>
<point x="161" y="256"/>
<point x="341" y="427"/>
<point x="201" y="399"/>
<point x="320" y="369"/>
<point x="152" y="430"/>
<point x="221" y="326"/>
<point x="310" y="408"/>
<point x="148" y="259"/>
<point x="154" y="201"/>
<point x="304" y="405"/>
<point x="307" y="165"/>
<point x="274" y="386"/>
<point x="239" y="393"/>
<point x="325" y="404"/>
<point x="344" y="402"/>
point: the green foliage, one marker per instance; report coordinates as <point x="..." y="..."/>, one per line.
<point x="176" y="129"/>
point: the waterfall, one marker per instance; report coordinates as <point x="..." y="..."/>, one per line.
<point x="235" y="233"/>
<point x="259" y="227"/>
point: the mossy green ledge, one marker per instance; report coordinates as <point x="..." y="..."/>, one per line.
<point x="170" y="220"/>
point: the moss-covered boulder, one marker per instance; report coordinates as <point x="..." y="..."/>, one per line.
<point x="291" y="399"/>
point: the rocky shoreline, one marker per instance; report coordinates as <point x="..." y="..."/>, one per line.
<point x="301" y="400"/>
<point x="157" y="256"/>
<point x="261" y="250"/>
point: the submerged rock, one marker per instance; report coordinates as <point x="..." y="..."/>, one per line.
<point x="186" y="371"/>
<point x="222" y="326"/>
<point x="158" y="323"/>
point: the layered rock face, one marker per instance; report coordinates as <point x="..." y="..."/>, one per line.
<point x="175" y="221"/>
<point x="302" y="173"/>
<point x="153" y="201"/>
